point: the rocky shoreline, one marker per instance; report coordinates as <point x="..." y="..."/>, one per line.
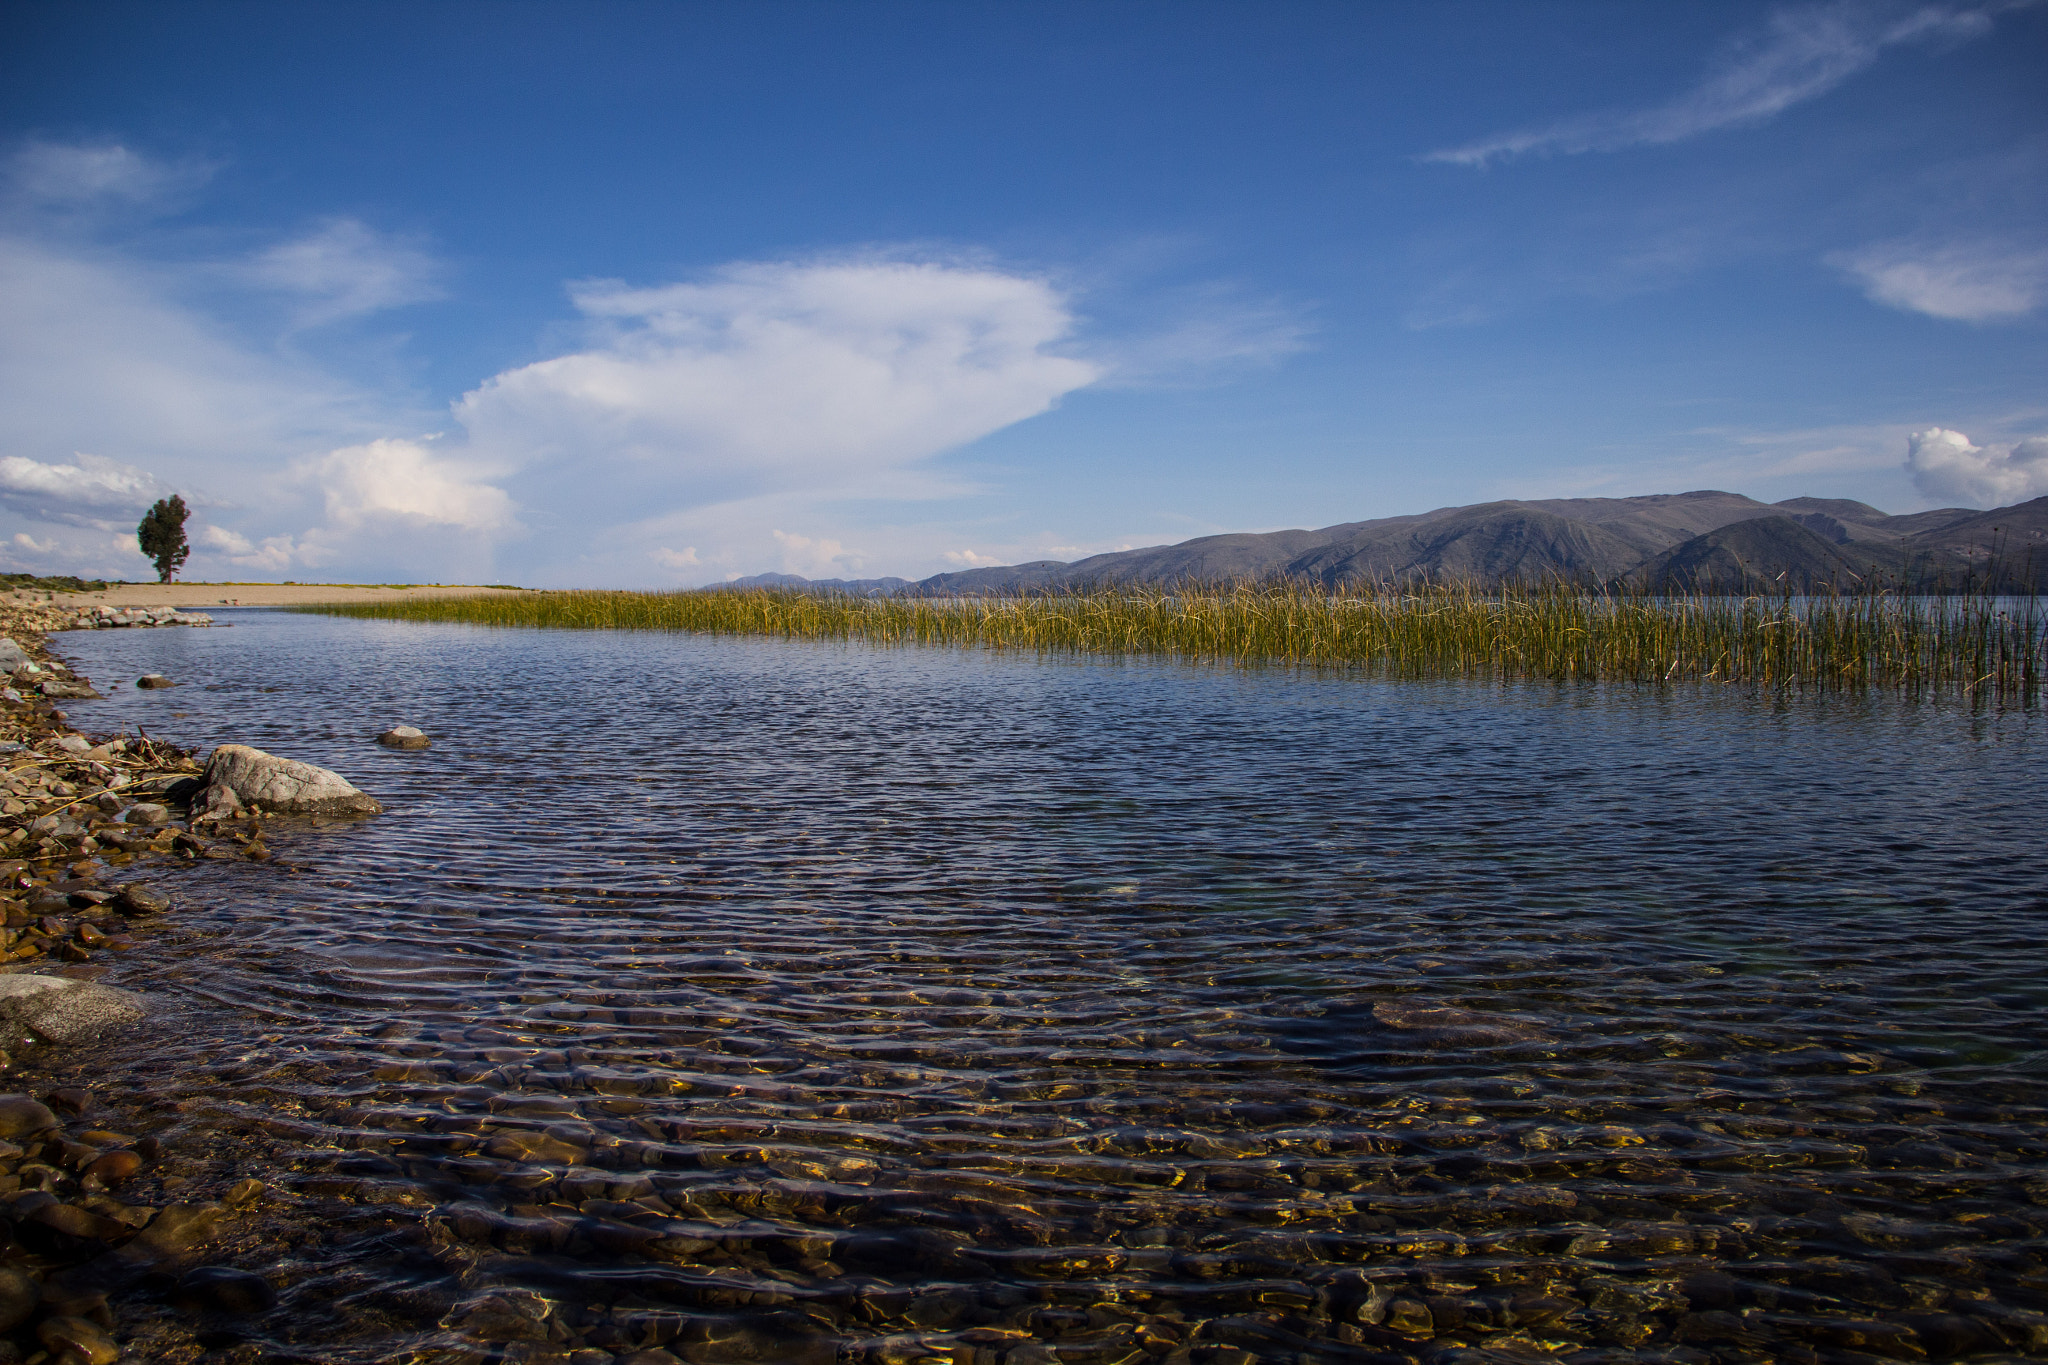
<point x="84" y="822"/>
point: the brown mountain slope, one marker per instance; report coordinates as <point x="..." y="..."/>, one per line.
<point x="1493" y="542"/>
<point x="1770" y="553"/>
<point x="1594" y="540"/>
<point x="2005" y="547"/>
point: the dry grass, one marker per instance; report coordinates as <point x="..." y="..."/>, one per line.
<point x="1971" y="643"/>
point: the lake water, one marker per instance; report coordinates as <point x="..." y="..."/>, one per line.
<point x="767" y="1001"/>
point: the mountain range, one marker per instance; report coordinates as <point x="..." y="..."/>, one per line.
<point x="1705" y="541"/>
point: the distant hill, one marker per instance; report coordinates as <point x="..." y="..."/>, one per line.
<point x="1708" y="540"/>
<point x="856" y="587"/>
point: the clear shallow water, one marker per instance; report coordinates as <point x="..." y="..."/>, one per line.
<point x="759" y="1000"/>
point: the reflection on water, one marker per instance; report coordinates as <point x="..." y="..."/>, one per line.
<point x="757" y="1001"/>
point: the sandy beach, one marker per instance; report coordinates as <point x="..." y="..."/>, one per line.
<point x="200" y="596"/>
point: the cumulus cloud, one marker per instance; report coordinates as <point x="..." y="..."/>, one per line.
<point x="1985" y="281"/>
<point x="274" y="555"/>
<point x="815" y="558"/>
<point x="402" y="481"/>
<point x="1796" y="55"/>
<point x="1947" y="467"/>
<point x="222" y="539"/>
<point x="969" y="559"/>
<point x="346" y="269"/>
<point x="779" y="375"/>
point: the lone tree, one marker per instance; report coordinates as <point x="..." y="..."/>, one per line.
<point x="162" y="536"/>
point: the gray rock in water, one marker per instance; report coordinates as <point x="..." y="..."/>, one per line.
<point x="146" y="813"/>
<point x="238" y="774"/>
<point x="404" y="737"/>
<point x="75" y="691"/>
<point x="12" y="655"/>
<point x="217" y="803"/>
<point x="65" y="1011"/>
<point x="154" y="680"/>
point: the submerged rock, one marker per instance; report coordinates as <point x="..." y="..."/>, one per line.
<point x="238" y="776"/>
<point x="224" y="1289"/>
<point x="154" y="680"/>
<point x="1446" y="1025"/>
<point x="404" y="737"/>
<point x="65" y="1011"/>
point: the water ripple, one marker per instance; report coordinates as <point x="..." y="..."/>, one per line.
<point x="758" y="1000"/>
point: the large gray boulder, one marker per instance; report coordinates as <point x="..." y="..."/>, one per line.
<point x="239" y="776"/>
<point x="61" y="1010"/>
<point x="12" y="655"/>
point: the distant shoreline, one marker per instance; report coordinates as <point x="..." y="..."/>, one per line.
<point x="207" y="595"/>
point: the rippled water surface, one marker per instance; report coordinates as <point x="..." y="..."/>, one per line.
<point x="764" y="1001"/>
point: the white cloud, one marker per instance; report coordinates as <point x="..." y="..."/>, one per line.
<point x="1947" y="467"/>
<point x="689" y="424"/>
<point x="1962" y="281"/>
<point x="1196" y="334"/>
<point x="99" y="354"/>
<point x="969" y="559"/>
<point x="71" y="491"/>
<point x="395" y="480"/>
<point x="34" y="546"/>
<point x="767" y="376"/>
<point x="71" y="175"/>
<point x="1797" y="55"/>
<point x="274" y="555"/>
<point x="346" y="269"/>
<point x="815" y="558"/>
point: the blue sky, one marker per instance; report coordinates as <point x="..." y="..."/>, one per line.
<point x="662" y="294"/>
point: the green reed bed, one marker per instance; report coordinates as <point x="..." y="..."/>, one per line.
<point x="1972" y="643"/>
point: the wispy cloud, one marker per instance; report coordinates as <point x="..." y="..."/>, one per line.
<point x="346" y="269"/>
<point x="70" y="176"/>
<point x="1796" y="55"/>
<point x="1974" y="281"/>
<point x="1199" y="333"/>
